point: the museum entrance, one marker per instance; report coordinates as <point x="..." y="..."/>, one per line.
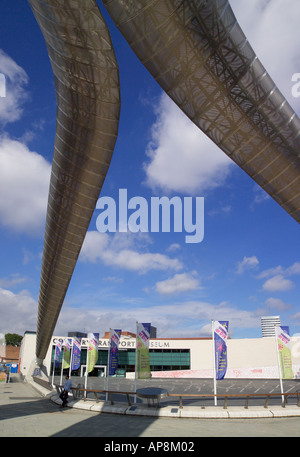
<point x="99" y="371"/>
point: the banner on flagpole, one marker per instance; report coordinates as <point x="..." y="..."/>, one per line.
<point x="67" y="353"/>
<point x="143" y="360"/>
<point x="114" y="350"/>
<point x="220" y="338"/>
<point x="92" y="350"/>
<point x="57" y="353"/>
<point x="76" y="353"/>
<point x="285" y="357"/>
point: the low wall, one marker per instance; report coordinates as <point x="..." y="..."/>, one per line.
<point x="232" y="373"/>
<point x="242" y="373"/>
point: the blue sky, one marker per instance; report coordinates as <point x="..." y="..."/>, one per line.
<point x="248" y="264"/>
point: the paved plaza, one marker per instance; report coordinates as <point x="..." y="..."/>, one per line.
<point x="25" y="412"/>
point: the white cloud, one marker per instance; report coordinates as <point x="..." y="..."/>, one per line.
<point x="18" y="312"/>
<point x="294" y="269"/>
<point x="174" y="247"/>
<point x="277" y="283"/>
<point x="181" y="319"/>
<point x="296" y="317"/>
<point x="118" y="251"/>
<point x="12" y="281"/>
<point x="247" y="263"/>
<point x="182" y="282"/>
<point x="15" y="80"/>
<point x="24" y="186"/>
<point x="278" y="277"/>
<point x="277" y="303"/>
<point x="221" y="210"/>
<point x="182" y="158"/>
<point x="259" y="195"/>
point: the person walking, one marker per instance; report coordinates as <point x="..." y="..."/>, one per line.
<point x="64" y="395"/>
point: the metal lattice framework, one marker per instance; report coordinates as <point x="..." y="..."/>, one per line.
<point x="197" y="52"/>
<point x="88" y="104"/>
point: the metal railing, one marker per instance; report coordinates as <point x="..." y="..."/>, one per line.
<point x="79" y="392"/>
<point x="76" y="393"/>
<point x="247" y="397"/>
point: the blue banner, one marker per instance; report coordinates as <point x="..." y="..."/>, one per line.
<point x="58" y="348"/>
<point x="76" y="353"/>
<point x="113" y="351"/>
<point x="220" y="337"/>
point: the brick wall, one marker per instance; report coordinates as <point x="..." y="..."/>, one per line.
<point x="10" y="353"/>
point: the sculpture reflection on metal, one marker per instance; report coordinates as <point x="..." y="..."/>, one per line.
<point x="197" y="52"/>
<point x="88" y="105"/>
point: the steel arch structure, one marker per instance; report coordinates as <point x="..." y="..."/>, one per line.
<point x="87" y="90"/>
<point x="197" y="52"/>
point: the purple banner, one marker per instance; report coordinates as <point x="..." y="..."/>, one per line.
<point x="113" y="351"/>
<point x="220" y="337"/>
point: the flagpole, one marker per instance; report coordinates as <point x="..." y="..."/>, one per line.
<point x="87" y="364"/>
<point x="62" y="364"/>
<point x="108" y="362"/>
<point x="71" y="356"/>
<point x="214" y="362"/>
<point x="278" y="363"/>
<point x="53" y="365"/>
<point x="135" y="373"/>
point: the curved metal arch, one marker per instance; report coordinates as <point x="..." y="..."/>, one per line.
<point x="87" y="87"/>
<point x="198" y="53"/>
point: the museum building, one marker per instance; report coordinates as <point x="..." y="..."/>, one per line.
<point x="174" y="357"/>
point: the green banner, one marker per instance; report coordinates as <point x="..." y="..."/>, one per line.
<point x="142" y="350"/>
<point x="285" y="356"/>
<point x="67" y="353"/>
<point x="92" y="350"/>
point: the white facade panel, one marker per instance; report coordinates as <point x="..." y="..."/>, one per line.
<point x="247" y="358"/>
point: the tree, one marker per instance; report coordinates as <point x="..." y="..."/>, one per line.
<point x="13" y="339"/>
